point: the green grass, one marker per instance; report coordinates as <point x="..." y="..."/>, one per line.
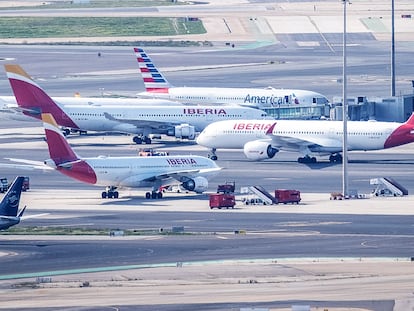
<point x="62" y="27"/>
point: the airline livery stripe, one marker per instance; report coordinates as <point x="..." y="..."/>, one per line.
<point x="156" y="75"/>
<point x="143" y="60"/>
<point x="145" y="70"/>
<point x="153" y="80"/>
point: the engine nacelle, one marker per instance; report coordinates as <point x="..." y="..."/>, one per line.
<point x="198" y="184"/>
<point x="259" y="150"/>
<point x="183" y="131"/>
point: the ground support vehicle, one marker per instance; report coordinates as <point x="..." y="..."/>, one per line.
<point x="4" y="184"/>
<point x="221" y="200"/>
<point x="26" y="184"/>
<point x="287" y="196"/>
<point x="228" y="187"/>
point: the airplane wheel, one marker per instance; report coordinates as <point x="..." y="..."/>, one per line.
<point x="110" y="194"/>
<point x="153" y="195"/>
<point x="116" y="195"/>
<point x="313" y="160"/>
<point x="214" y="158"/>
<point x="147" y="140"/>
<point x="137" y="140"/>
<point x="159" y="195"/>
<point x="148" y="195"/>
<point x="103" y="195"/>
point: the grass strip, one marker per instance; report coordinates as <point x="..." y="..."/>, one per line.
<point x="62" y="27"/>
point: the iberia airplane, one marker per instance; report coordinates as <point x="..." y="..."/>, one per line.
<point x="157" y="86"/>
<point x="262" y="139"/>
<point x="191" y="172"/>
<point x="180" y="121"/>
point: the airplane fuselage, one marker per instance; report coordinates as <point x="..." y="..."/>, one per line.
<point x="137" y="172"/>
<point x="134" y="119"/>
<point x="361" y="135"/>
<point x="261" y="98"/>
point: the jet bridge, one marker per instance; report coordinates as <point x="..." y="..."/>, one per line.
<point x="386" y="186"/>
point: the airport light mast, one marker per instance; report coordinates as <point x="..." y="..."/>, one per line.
<point x="344" y="113"/>
<point x="392" y="49"/>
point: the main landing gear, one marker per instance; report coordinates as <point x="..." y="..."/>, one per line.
<point x="110" y="193"/>
<point x="141" y="139"/>
<point x="212" y="154"/>
<point x="307" y="159"/>
<point x="153" y="195"/>
<point x="335" y="158"/>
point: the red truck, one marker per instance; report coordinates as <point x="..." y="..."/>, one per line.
<point x="220" y="200"/>
<point x="287" y="196"/>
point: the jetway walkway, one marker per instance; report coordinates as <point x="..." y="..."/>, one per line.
<point x="386" y="186"/>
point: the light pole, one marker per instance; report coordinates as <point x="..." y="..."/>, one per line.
<point x="344" y="114"/>
<point x="392" y="50"/>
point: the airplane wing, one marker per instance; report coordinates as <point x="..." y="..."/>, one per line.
<point x="143" y="123"/>
<point x="294" y="144"/>
<point x="182" y="175"/>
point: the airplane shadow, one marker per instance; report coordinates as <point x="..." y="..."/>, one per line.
<point x="141" y="200"/>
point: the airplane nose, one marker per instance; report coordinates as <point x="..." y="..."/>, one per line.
<point x="200" y="139"/>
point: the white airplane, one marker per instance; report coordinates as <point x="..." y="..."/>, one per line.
<point x="180" y="121"/>
<point x="262" y="139"/>
<point x="9" y="206"/>
<point x="157" y="86"/>
<point x="191" y="172"/>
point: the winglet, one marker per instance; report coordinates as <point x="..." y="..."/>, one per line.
<point x="270" y="130"/>
<point x="22" y="212"/>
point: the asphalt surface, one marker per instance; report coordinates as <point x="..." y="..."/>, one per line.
<point x="275" y="233"/>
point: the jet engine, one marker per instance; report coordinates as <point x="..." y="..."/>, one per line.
<point x="259" y="150"/>
<point x="198" y="184"/>
<point x="183" y="131"/>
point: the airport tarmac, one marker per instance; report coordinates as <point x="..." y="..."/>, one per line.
<point x="335" y="254"/>
<point x="329" y="255"/>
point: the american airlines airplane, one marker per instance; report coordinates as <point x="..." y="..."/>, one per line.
<point x="180" y="121"/>
<point x="262" y="139"/>
<point x="157" y="86"/>
<point x="191" y="172"/>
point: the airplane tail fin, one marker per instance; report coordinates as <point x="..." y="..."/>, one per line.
<point x="9" y="205"/>
<point x="59" y="149"/>
<point x="404" y="134"/>
<point x="154" y="80"/>
<point x="62" y="157"/>
<point x="32" y="99"/>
